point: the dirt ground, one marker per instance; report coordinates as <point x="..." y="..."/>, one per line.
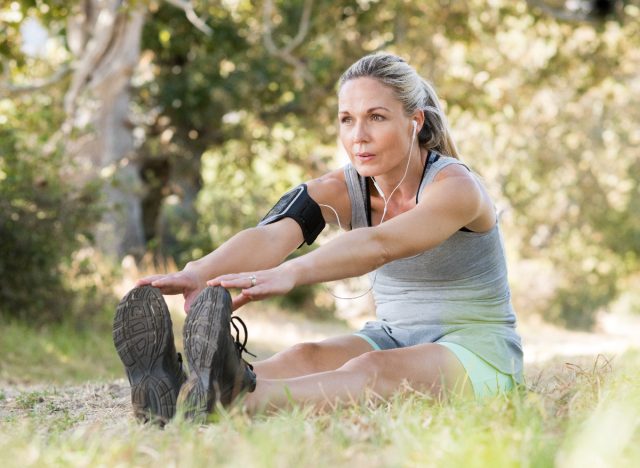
<point x="551" y="356"/>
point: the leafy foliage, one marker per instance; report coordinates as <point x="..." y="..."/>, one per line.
<point x="43" y="221"/>
<point x="544" y="109"/>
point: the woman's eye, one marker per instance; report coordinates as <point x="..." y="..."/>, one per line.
<point x="377" y="117"/>
<point x="345" y="120"/>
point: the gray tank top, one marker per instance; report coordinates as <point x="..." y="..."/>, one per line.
<point x="456" y="292"/>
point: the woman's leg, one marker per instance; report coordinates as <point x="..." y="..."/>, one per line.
<point x="428" y="367"/>
<point x="310" y="358"/>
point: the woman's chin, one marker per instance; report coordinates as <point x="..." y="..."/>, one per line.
<point x="366" y="169"/>
<point x="366" y="172"/>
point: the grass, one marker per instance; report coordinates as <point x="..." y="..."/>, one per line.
<point x="57" y="354"/>
<point x="73" y="413"/>
<point x="577" y="417"/>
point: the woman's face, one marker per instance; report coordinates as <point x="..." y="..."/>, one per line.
<point x="374" y="129"/>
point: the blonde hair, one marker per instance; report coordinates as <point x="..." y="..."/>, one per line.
<point x="413" y="91"/>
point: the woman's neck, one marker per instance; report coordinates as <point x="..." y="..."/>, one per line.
<point x="409" y="184"/>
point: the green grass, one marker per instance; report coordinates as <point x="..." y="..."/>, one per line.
<point x="57" y="354"/>
<point x="575" y="417"/>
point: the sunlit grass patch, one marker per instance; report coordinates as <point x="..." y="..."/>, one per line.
<point x="57" y="354"/>
<point x="609" y="434"/>
<point x="407" y="431"/>
<point x="576" y="415"/>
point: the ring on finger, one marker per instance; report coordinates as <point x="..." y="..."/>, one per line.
<point x="253" y="280"/>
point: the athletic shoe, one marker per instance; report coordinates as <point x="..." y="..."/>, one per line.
<point x="143" y="338"/>
<point x="217" y="371"/>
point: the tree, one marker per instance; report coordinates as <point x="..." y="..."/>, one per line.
<point x="221" y="111"/>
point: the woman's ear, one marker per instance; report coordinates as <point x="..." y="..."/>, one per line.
<point x="418" y="118"/>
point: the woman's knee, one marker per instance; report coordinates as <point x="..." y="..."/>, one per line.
<point x="370" y="364"/>
<point x="305" y="355"/>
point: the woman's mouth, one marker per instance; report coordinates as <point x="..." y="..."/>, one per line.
<point x="364" y="157"/>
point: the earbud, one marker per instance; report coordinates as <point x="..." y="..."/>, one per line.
<point x="415" y="126"/>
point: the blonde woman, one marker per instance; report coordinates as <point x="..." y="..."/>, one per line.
<point x="416" y="219"/>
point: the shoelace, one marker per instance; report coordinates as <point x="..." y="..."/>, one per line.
<point x="241" y="346"/>
<point x="180" y="364"/>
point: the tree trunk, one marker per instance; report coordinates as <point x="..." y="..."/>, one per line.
<point x="105" y="37"/>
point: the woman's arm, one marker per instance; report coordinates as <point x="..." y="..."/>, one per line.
<point x="264" y="247"/>
<point x="256" y="248"/>
<point x="446" y="206"/>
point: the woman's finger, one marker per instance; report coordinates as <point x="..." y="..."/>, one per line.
<point x="189" y="297"/>
<point x="217" y="281"/>
<point x="176" y="283"/>
<point x="238" y="281"/>
<point x="148" y="280"/>
<point x="239" y="301"/>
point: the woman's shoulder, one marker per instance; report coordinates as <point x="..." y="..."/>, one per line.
<point x="331" y="193"/>
<point x="451" y="167"/>
<point x="468" y="186"/>
<point x="331" y="182"/>
<point x="439" y="168"/>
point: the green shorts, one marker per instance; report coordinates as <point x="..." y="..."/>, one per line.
<point x="485" y="379"/>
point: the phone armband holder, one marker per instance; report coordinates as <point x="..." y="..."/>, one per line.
<point x="299" y="206"/>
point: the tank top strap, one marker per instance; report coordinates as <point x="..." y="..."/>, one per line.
<point x="357" y="187"/>
<point x="435" y="167"/>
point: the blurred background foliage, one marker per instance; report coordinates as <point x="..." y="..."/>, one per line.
<point x="233" y="102"/>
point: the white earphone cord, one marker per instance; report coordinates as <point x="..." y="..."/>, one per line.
<point x="384" y="212"/>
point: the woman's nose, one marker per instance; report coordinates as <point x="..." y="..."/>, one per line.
<point x="360" y="133"/>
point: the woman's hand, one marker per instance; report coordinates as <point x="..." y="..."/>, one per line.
<point x="257" y="285"/>
<point x="186" y="282"/>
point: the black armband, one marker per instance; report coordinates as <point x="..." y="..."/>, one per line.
<point x="299" y="206"/>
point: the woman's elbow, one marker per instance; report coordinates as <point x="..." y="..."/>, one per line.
<point x="383" y="250"/>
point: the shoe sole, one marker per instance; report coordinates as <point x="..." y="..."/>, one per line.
<point x="205" y="322"/>
<point x="141" y="334"/>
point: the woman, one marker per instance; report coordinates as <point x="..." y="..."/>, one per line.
<point x="419" y="220"/>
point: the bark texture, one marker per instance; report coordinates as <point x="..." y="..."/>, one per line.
<point x="105" y="37"/>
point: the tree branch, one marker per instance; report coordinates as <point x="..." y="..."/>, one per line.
<point x="8" y="89"/>
<point x="191" y="15"/>
<point x="560" y="13"/>
<point x="285" y="53"/>
<point x="303" y="27"/>
<point x="93" y="51"/>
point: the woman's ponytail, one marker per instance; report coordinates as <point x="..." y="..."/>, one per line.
<point x="435" y="133"/>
